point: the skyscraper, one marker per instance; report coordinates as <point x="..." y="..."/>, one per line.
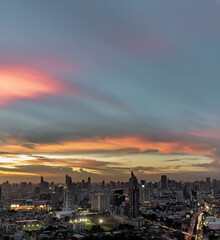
<point x="163" y="182"/>
<point x="89" y="180"/>
<point x="133" y="196"/>
<point x="66" y="202"/>
<point x="208" y="184"/>
<point x="100" y="202"/>
<point x="68" y="181"/>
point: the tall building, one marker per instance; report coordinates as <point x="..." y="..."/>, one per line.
<point x="118" y="197"/>
<point x="142" y="191"/>
<point x="44" y="186"/>
<point x="100" y="202"/>
<point x="133" y="197"/>
<point x="163" y="182"/>
<point x="208" y="184"/>
<point x="89" y="180"/>
<point x="66" y="203"/>
<point x="68" y="181"/>
<point x="89" y="183"/>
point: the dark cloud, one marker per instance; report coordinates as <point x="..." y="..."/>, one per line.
<point x="209" y="166"/>
<point x="151" y="151"/>
<point x="182" y="159"/>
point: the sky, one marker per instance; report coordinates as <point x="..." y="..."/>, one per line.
<point x="100" y="88"/>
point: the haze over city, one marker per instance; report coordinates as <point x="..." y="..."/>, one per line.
<point x="115" y="86"/>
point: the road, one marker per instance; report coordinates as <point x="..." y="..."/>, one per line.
<point x="168" y="228"/>
<point x="199" y="227"/>
<point x="197" y="218"/>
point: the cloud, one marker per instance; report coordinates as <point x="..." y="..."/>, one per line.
<point x="125" y="144"/>
<point x="111" y="146"/>
<point x="151" y="151"/>
<point x="97" y="96"/>
<point x="183" y="159"/>
<point x="214" y="154"/>
<point x="24" y="83"/>
<point x="36" y="165"/>
<point x="206" y="166"/>
<point x="207" y="134"/>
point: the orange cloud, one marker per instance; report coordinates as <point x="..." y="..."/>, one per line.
<point x="25" y="83"/>
<point x="2" y="173"/>
<point x="123" y="143"/>
<point x="143" y="144"/>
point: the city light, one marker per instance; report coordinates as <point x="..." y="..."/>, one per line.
<point x="80" y="220"/>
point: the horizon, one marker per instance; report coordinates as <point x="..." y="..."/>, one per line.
<point x="149" y="180"/>
<point x="103" y="88"/>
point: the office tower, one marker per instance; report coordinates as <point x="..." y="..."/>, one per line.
<point x="103" y="184"/>
<point x="208" y="184"/>
<point x="89" y="180"/>
<point x="41" y="179"/>
<point x="100" y="202"/>
<point x="94" y="202"/>
<point x="142" y="191"/>
<point x="66" y="203"/>
<point x="133" y="197"/>
<point x="68" y="181"/>
<point x="119" y="197"/>
<point x="193" y="199"/>
<point x="163" y="182"/>
<point x="214" y="184"/>
<point x="44" y="186"/>
<point x="88" y="184"/>
<point x="179" y="196"/>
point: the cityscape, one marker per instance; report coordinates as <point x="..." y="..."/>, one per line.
<point x="111" y="210"/>
<point x="109" y="119"/>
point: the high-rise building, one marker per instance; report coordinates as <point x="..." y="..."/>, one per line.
<point x="89" y="180"/>
<point x="208" y="184"/>
<point x="68" y="181"/>
<point x="179" y="196"/>
<point x="44" y="186"/>
<point x="100" y="202"/>
<point x="142" y="191"/>
<point x="88" y="184"/>
<point x="193" y="199"/>
<point x="66" y="203"/>
<point x="163" y="182"/>
<point x="118" y="197"/>
<point x="133" y="197"/>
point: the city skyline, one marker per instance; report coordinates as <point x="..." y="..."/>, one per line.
<point x="102" y="90"/>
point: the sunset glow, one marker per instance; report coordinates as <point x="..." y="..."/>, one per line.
<point x="102" y="92"/>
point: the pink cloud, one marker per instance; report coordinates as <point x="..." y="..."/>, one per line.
<point x="18" y="82"/>
<point x="211" y="133"/>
